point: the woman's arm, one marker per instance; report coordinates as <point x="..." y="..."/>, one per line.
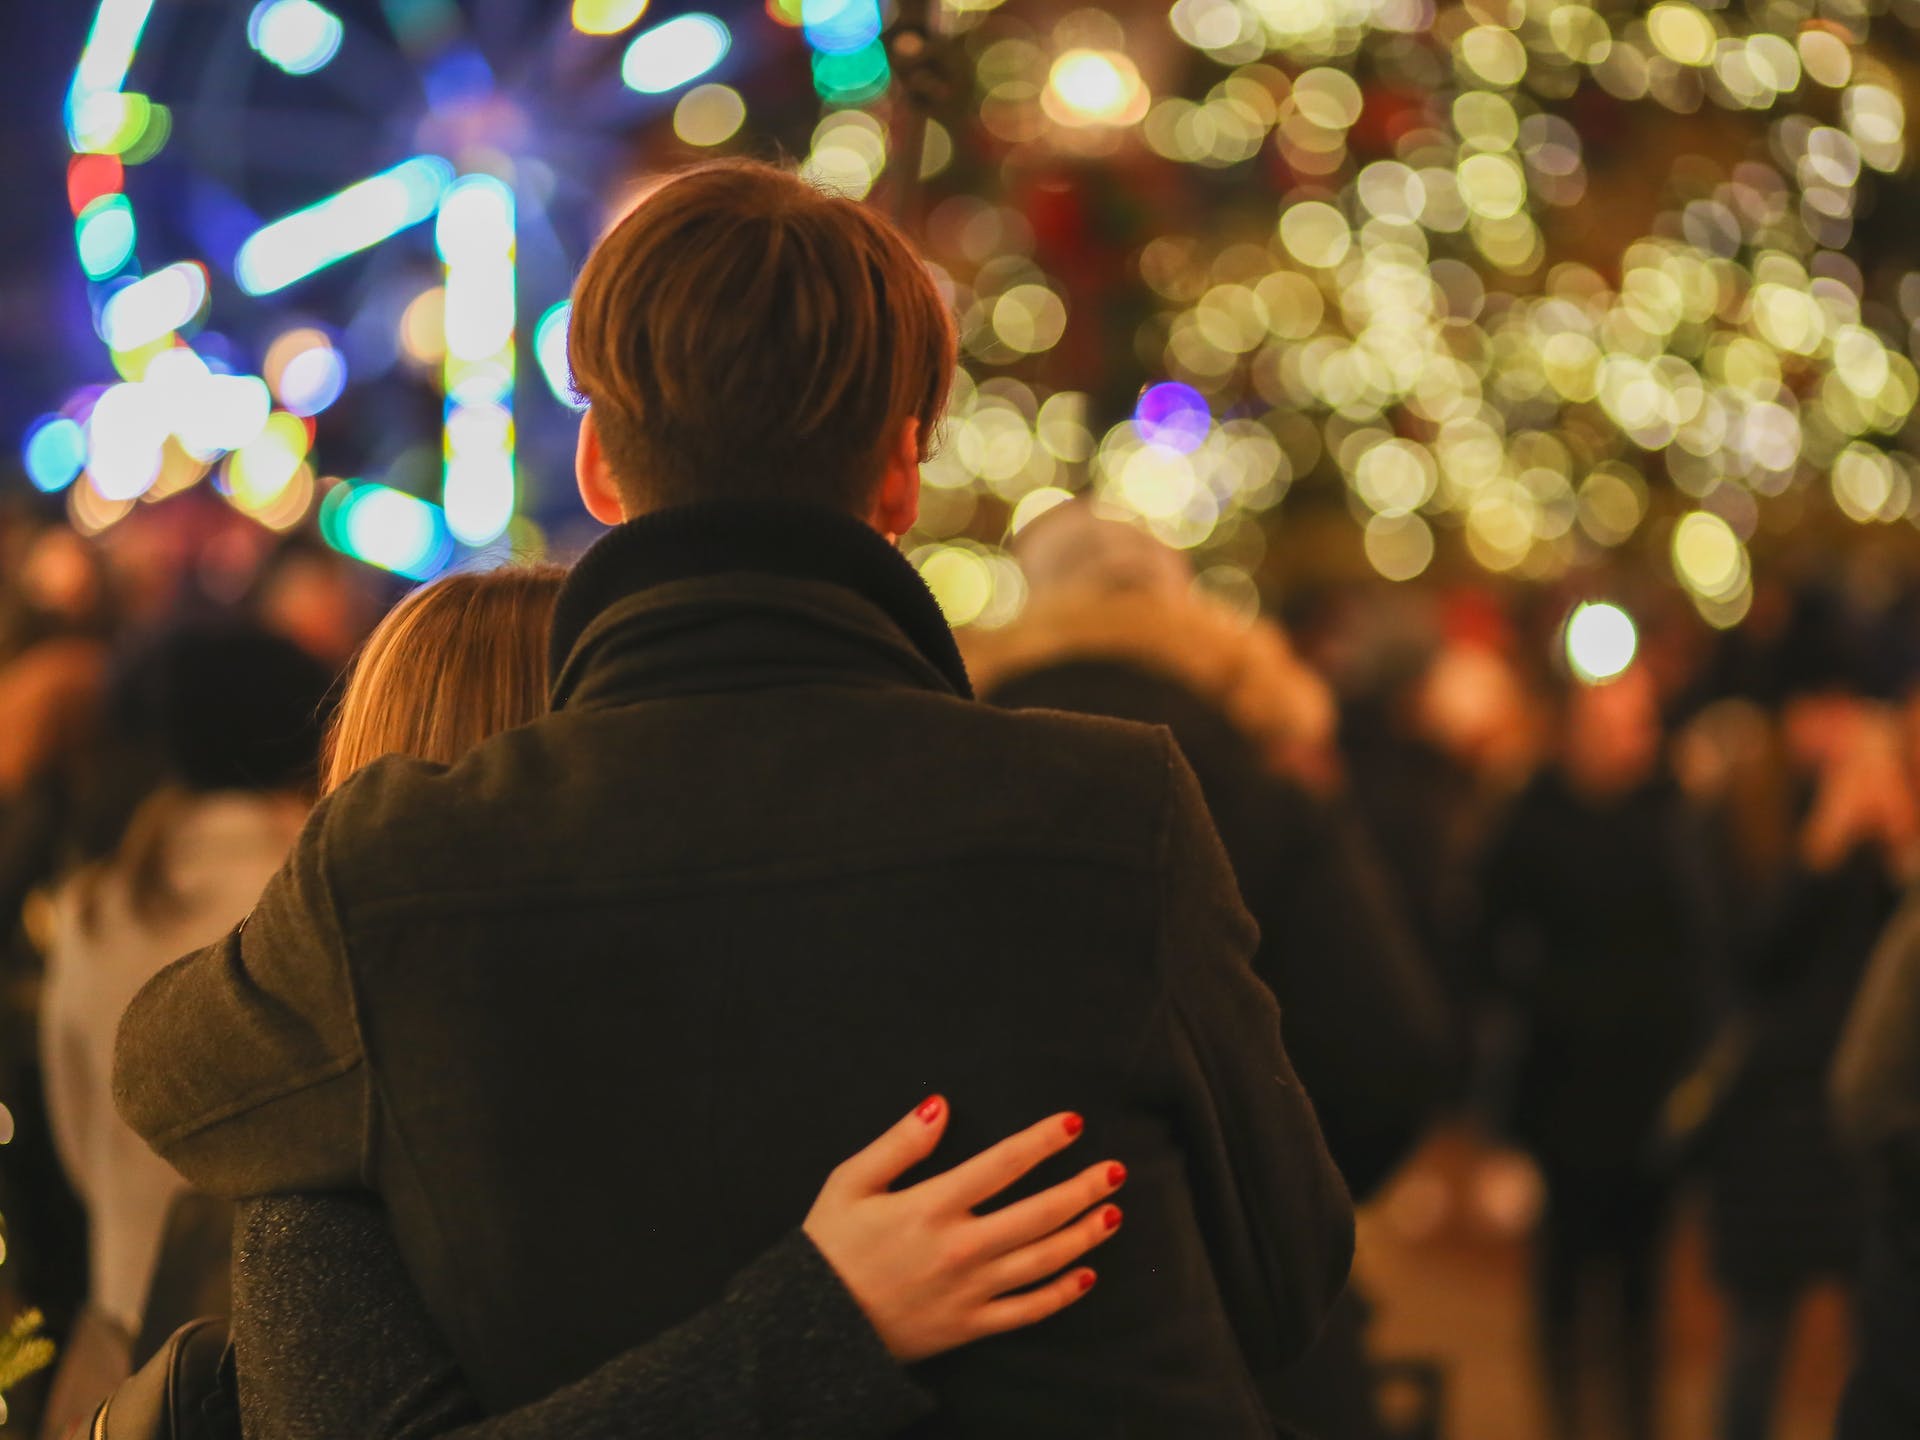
<point x="808" y="1340"/>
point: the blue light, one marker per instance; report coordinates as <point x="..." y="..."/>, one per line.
<point x="388" y="528"/>
<point x="356" y="219"/>
<point x="104" y="235"/>
<point x="550" y="350"/>
<point x="674" y="54"/>
<point x="313" y="380"/>
<point x="55" y="453"/>
<point x="297" y="35"/>
<point x="1173" y="415"/>
<point x="840" y="27"/>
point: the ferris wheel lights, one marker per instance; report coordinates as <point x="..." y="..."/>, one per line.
<point x="104" y="236"/>
<point x="606" y="17"/>
<point x="55" y="453"/>
<point x="154" y="307"/>
<point x="671" y="55"/>
<point x="296" y="35"/>
<point x="357" y="218"/>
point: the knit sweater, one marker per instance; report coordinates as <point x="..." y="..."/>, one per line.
<point x="333" y="1341"/>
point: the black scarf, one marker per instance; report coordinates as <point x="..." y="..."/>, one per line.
<point x="766" y="537"/>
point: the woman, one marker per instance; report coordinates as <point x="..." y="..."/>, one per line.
<point x="808" y="1340"/>
<point x="212" y="782"/>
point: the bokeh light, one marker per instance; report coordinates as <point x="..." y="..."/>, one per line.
<point x="1601" y="641"/>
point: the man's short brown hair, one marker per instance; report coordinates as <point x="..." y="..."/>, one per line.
<point x="742" y="334"/>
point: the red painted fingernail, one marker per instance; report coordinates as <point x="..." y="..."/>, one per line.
<point x="1111" y="1219"/>
<point x="1116" y="1175"/>
<point x="1074" y="1124"/>
<point x="1086" y="1281"/>
<point x="929" y="1109"/>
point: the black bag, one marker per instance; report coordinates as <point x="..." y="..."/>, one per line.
<point x="187" y="1391"/>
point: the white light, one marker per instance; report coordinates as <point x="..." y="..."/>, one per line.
<point x="476" y="221"/>
<point x="670" y="55"/>
<point x="297" y="35"/>
<point x="479" y="498"/>
<point x="357" y="218"/>
<point x="313" y="380"/>
<point x="1601" y="641"/>
<point x="110" y="45"/>
<point x="390" y="529"/>
<point x="226" y="413"/>
<point x="550" y="350"/>
<point x="153" y="308"/>
<point x="124" y="435"/>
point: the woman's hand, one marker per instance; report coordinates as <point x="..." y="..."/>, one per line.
<point x="928" y="1272"/>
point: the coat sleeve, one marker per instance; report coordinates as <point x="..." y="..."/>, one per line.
<point x="321" y="1292"/>
<point x="242" y="1064"/>
<point x="1274" y="1212"/>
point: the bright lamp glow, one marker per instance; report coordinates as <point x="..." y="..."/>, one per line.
<point x="356" y="219"/>
<point x="1601" y="641"/>
<point x="297" y="35"/>
<point x="670" y="55"/>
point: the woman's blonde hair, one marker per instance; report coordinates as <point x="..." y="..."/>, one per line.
<point x="454" y="663"/>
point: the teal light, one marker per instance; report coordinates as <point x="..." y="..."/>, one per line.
<point x="851" y="78"/>
<point x="104" y="235"/>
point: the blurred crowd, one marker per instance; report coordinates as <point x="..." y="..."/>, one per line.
<point x="1623" y="928"/>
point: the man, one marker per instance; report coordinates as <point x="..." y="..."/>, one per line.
<point x="593" y="1010"/>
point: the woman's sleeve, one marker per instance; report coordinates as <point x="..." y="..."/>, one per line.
<point x="333" y="1340"/>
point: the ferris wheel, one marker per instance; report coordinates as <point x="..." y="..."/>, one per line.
<point x="327" y="240"/>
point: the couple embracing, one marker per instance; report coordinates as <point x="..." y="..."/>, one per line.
<point x="576" y="1019"/>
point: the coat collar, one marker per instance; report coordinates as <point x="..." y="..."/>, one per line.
<point x="645" y="579"/>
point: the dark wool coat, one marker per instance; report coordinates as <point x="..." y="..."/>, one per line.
<point x="596" y="1010"/>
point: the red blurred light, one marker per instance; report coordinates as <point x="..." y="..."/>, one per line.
<point x="91" y="176"/>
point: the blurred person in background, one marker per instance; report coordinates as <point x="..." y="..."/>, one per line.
<point x="1785" y="1208"/>
<point x="1876" y="1109"/>
<point x="56" y="614"/>
<point x="224" y="721"/>
<point x="1597" y="929"/>
<point x="1114" y="626"/>
<point x="808" y="1339"/>
<point x="748" y="663"/>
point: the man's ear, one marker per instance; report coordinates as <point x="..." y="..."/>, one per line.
<point x="897" y="505"/>
<point x="597" y="490"/>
